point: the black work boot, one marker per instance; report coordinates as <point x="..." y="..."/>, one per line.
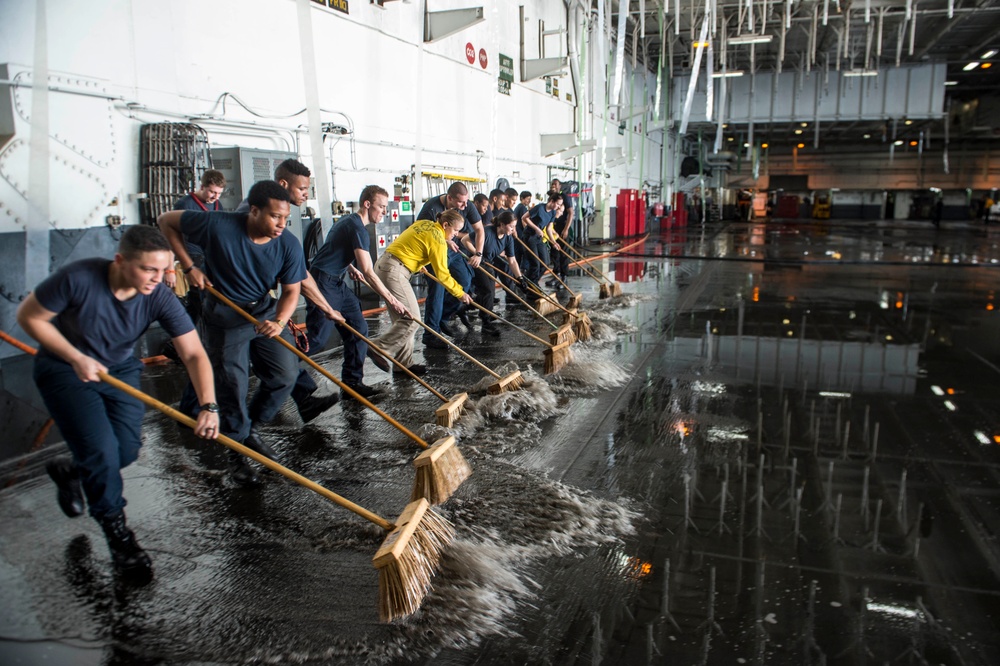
<point x="463" y="316"/>
<point x="240" y="471"/>
<point x="130" y="560"/>
<point x="67" y="480"/>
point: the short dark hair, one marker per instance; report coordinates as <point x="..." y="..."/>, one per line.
<point x="524" y="194"/>
<point x="213" y="177"/>
<point x="370" y="192"/>
<point x="555" y="196"/>
<point x="291" y="167"/>
<point x="480" y="197"/>
<point x="496" y="193"/>
<point x="503" y="219"/>
<point x="511" y="193"/>
<point x="458" y="189"/>
<point x="266" y="190"/>
<point x="142" y="238"/>
<point x="556" y="180"/>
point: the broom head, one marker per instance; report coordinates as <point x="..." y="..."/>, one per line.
<point x="570" y="316"/>
<point x="574" y="301"/>
<point x="546" y="305"/>
<point x="605" y="290"/>
<point x="556" y="357"/>
<point x="511" y="382"/>
<point x="408" y="559"/>
<point x="441" y="469"/>
<point x="564" y="333"/>
<point x="447" y="414"/>
<point x="616" y="289"/>
<point x="582" y="327"/>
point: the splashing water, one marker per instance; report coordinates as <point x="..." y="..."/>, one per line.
<point x="619" y="302"/>
<point x="589" y="377"/>
<point x="607" y="326"/>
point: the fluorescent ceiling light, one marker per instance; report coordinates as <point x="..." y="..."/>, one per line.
<point x="861" y="72"/>
<point x="754" y="39"/>
<point x="728" y="75"/>
<point x="989" y="54"/>
<point x="951" y="83"/>
<point x="971" y="66"/>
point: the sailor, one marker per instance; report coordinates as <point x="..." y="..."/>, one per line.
<point x="423" y="243"/>
<point x="245" y="255"/>
<point x="87" y="317"/>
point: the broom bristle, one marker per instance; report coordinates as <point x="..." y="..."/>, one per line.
<point x="616" y="289"/>
<point x="582" y="325"/>
<point x="555" y="358"/>
<point x="408" y="559"/>
<point x="447" y="414"/>
<point x="511" y="382"/>
<point x="605" y="291"/>
<point x="562" y="334"/>
<point x="574" y="301"/>
<point x="441" y="469"/>
<point x="545" y="305"/>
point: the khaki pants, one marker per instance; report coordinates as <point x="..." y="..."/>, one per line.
<point x="398" y="340"/>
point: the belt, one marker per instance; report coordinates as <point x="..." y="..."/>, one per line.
<point x="398" y="261"/>
<point x="250" y="305"/>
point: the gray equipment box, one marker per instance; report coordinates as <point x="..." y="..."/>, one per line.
<point x="398" y="216"/>
<point x="243" y="167"/>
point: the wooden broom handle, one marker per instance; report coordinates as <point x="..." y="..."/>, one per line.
<point x="536" y="291"/>
<point x="344" y="387"/>
<point x="585" y="269"/>
<point x="443" y="339"/>
<point x="511" y="292"/>
<point x="222" y="439"/>
<point x="538" y="259"/>
<point x="395" y="362"/>
<point x="582" y="259"/>
<point x="494" y="314"/>
<point x="239" y="448"/>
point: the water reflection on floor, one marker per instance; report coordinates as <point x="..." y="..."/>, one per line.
<point x="779" y="448"/>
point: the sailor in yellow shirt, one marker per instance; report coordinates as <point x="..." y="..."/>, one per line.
<point x="422" y="243"/>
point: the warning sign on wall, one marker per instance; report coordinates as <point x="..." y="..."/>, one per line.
<point x="394" y="216"/>
<point x="381" y="240"/>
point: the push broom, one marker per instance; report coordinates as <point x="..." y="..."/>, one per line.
<point x="556" y="356"/>
<point x="558" y="335"/>
<point x="410" y="554"/>
<point x="611" y="288"/>
<point x="441" y="468"/>
<point x="446" y="414"/>
<point x="504" y="384"/>
<point x="575" y="298"/>
<point x="580" y="321"/>
<point x="564" y="333"/>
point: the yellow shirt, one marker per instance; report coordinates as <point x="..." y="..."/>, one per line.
<point x="423" y="243"/>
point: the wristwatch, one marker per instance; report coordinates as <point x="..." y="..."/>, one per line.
<point x="210" y="407"/>
<point x="188" y="269"/>
<point x="478" y="254"/>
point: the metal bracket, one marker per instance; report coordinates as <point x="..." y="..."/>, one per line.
<point x="533" y="69"/>
<point x="557" y="143"/>
<point x="441" y="24"/>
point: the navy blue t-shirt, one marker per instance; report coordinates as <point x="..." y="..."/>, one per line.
<point x="560" y="222"/>
<point x="189" y="202"/>
<point x="434" y="206"/>
<point x="487" y="217"/>
<point x="97" y="323"/>
<point x="494" y="246"/>
<point x="239" y="268"/>
<point x="541" y="217"/>
<point x="347" y="235"/>
<point x="519" y="211"/>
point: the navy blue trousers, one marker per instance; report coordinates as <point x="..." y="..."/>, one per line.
<point x="437" y="307"/>
<point x="232" y="345"/>
<point x="101" y="425"/>
<point x="532" y="268"/>
<point x="319" y="328"/>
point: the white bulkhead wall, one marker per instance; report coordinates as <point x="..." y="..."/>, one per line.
<point x="234" y="67"/>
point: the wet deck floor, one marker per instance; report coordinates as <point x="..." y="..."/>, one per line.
<point x="750" y="463"/>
